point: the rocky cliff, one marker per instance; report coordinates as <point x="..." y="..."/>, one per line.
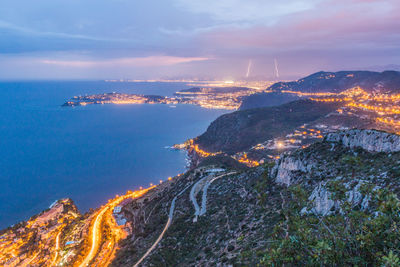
<point x="370" y="140"/>
<point x="350" y="156"/>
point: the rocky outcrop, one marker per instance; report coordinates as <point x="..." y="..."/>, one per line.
<point x="309" y="168"/>
<point x="370" y="140"/>
<point x="322" y="203"/>
<point x="285" y="169"/>
<point x="289" y="167"/>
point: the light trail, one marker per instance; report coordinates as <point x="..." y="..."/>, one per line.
<point x="53" y="263"/>
<point x="95" y="237"/>
<point x="96" y="228"/>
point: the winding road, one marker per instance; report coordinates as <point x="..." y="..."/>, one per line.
<point x="96" y="237"/>
<point x="205" y="188"/>
<point x="193" y="198"/>
<point x="57" y="248"/>
<point x="197" y="210"/>
<point x="170" y="217"/>
<point x="97" y="225"/>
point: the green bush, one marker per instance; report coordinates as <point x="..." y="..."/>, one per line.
<point x="350" y="238"/>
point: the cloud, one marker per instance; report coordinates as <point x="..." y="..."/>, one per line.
<point x="151" y="61"/>
<point x="255" y="11"/>
<point x="28" y="31"/>
<point x="336" y="25"/>
<point x="99" y="35"/>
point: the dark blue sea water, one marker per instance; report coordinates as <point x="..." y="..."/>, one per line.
<point x="86" y="153"/>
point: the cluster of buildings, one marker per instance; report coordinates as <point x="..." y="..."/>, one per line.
<point x="38" y="241"/>
<point x="229" y="98"/>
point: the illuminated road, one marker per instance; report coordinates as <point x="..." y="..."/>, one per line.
<point x="96" y="236"/>
<point x="97" y="229"/>
<point x="170" y="217"/>
<point x="53" y="263"/>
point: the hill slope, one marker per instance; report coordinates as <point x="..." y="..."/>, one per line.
<point x="334" y="82"/>
<point x="333" y="203"/>
<point x="241" y="130"/>
<point x="260" y="100"/>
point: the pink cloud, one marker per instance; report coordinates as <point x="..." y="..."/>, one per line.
<point x="332" y="24"/>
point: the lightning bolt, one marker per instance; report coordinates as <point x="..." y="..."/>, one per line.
<point x="276" y="68"/>
<point x="248" y="69"/>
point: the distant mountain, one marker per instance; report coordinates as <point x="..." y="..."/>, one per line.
<point x="335" y="82"/>
<point x="215" y="90"/>
<point x="395" y="67"/>
<point x="387" y="81"/>
<point x="266" y="100"/>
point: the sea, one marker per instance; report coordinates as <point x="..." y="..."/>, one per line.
<point x="89" y="153"/>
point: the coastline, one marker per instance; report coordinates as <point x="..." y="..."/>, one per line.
<point x="67" y="153"/>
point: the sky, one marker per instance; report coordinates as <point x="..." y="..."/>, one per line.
<point x="209" y="39"/>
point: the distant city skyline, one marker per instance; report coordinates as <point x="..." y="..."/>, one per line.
<point x="226" y="39"/>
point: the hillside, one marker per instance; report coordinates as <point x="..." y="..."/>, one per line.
<point x="260" y="100"/>
<point x="339" y="81"/>
<point x="331" y="203"/>
<point x="216" y="90"/>
<point x="241" y="130"/>
<point x="334" y="82"/>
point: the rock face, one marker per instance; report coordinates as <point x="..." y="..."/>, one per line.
<point x="315" y="167"/>
<point x="370" y="140"/>
<point x="286" y="168"/>
<point x="289" y="167"/>
<point x="322" y="204"/>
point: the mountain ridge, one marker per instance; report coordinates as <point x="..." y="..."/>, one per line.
<point x="323" y="82"/>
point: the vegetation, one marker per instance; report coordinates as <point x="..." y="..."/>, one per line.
<point x="351" y="237"/>
<point x="240" y="130"/>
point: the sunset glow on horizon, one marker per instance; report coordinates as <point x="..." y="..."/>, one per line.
<point x="186" y="39"/>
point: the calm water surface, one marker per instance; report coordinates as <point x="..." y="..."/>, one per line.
<point x="86" y="153"/>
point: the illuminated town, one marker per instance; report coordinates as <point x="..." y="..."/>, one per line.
<point x="181" y="133"/>
<point x="218" y="95"/>
<point x="381" y="110"/>
<point x="61" y="236"/>
<point x="373" y="110"/>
